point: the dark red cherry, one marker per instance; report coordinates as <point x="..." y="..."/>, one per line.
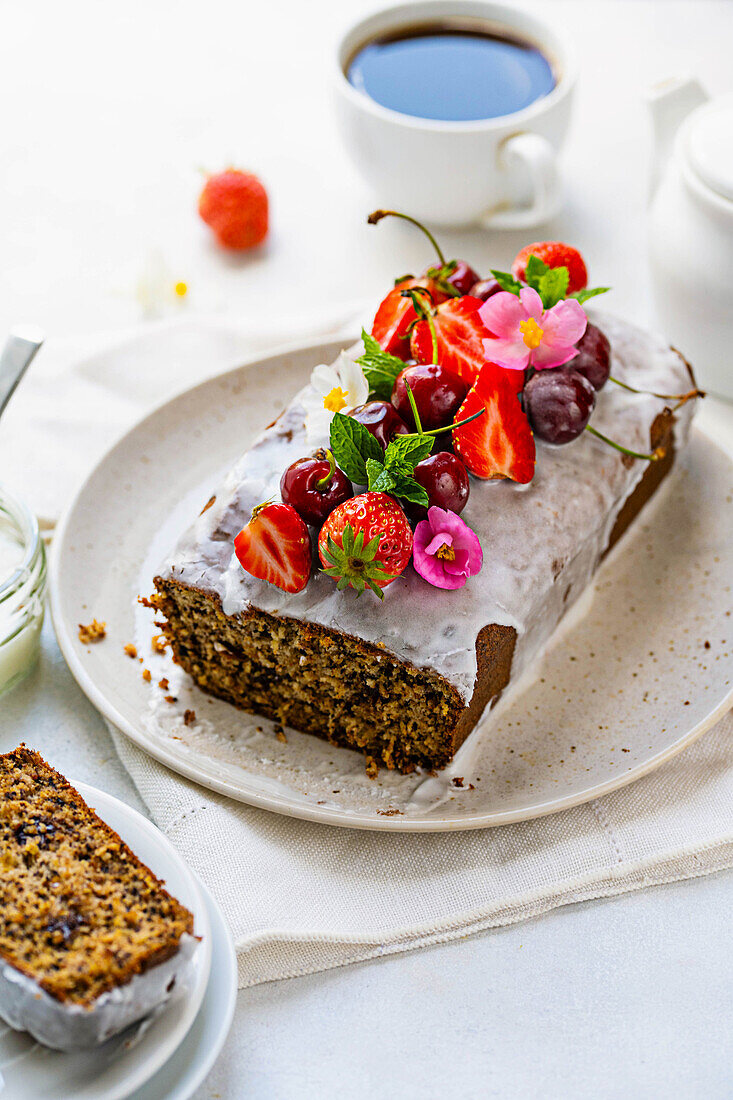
<point x="445" y="479"/>
<point x="559" y="403"/>
<point x="462" y="277"/>
<point x="484" y="289"/>
<point x="438" y="393"/>
<point x="593" y="360"/>
<point x="299" y="487"/>
<point x="379" y="418"/>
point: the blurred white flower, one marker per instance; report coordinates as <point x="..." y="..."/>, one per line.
<point x="336" y="388"/>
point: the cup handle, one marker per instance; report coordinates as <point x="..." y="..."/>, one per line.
<point x="532" y="155"/>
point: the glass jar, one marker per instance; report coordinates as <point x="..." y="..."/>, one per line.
<point x="22" y="589"/>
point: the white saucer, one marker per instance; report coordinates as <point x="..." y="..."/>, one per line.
<point x="647" y="670"/>
<point x="188" y="1066"/>
<point x="124" y="1063"/>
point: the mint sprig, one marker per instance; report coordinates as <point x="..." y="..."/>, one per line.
<point x="380" y="368"/>
<point x="551" y="283"/>
<point x="352" y="445"/>
<point x="394" y="474"/>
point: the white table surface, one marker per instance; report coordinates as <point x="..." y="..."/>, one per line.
<point x="109" y="112"/>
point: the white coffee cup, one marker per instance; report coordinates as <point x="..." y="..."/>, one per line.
<point x="496" y="172"/>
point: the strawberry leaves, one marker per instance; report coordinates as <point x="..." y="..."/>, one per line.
<point x="551" y="283"/>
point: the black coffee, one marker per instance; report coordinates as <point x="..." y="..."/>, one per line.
<point x="448" y="72"/>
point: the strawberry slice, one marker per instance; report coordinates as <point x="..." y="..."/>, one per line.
<point x="460" y="335"/>
<point x="275" y="547"/>
<point x="499" y="443"/>
<point x="396" y="314"/>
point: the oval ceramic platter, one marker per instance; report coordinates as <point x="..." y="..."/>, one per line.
<point x="648" y="667"/>
<point x="127" y="1061"/>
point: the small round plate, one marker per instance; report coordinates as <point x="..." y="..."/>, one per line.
<point x="647" y="669"/>
<point x="188" y="1067"/>
<point x="29" y="1071"/>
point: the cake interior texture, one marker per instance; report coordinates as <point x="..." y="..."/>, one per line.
<point x="79" y="913"/>
<point x="340" y="688"/>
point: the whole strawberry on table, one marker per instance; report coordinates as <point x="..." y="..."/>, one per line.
<point x="460" y="373"/>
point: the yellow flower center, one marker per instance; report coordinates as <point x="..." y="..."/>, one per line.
<point x="531" y="332"/>
<point x="445" y="552"/>
<point x="335" y="401"/>
<point x="181" y="289"/>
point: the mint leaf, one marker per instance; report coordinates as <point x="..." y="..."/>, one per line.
<point x="507" y="281"/>
<point x="380" y="368"/>
<point x="411" y="490"/>
<point x="380" y="480"/>
<point x="534" y="271"/>
<point x="352" y="445"/>
<point x="408" y="449"/>
<point x="553" y="285"/>
<point x="583" y="295"/>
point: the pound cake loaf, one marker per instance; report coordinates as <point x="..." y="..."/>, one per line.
<point x="495" y="563"/>
<point x="90" y="941"/>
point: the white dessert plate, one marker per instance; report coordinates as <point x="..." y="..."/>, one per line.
<point x="189" y="1065"/>
<point x="126" y="1062"/>
<point x="645" y="671"/>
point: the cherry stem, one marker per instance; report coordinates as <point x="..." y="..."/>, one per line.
<point x="377" y="215"/>
<point x="654" y="457"/>
<point x="450" y="427"/>
<point x="413" y="406"/>
<point x="323" y="482"/>
<point x="680" y="397"/>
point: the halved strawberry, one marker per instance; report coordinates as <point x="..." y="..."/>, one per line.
<point x="396" y="314"/>
<point x="460" y="335"/>
<point x="275" y="547"/>
<point x="499" y="443"/>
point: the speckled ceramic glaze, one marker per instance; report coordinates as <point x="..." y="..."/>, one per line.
<point x="627" y="686"/>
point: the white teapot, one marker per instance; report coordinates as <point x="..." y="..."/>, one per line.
<point x="691" y="227"/>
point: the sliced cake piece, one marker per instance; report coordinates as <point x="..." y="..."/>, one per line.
<point x="405" y="679"/>
<point x="90" y="941"/>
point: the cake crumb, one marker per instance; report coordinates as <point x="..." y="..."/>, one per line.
<point x="189" y="717"/>
<point x="131" y="650"/>
<point x="457" y="780"/>
<point x="281" y="736"/>
<point x="93" y="632"/>
<point x="147" y="677"/>
<point x="389" y="813"/>
<point x="158" y="643"/>
<point x="171" y="699"/>
<point x="372" y="767"/>
<point x="163" y="684"/>
<point x="145" y="601"/>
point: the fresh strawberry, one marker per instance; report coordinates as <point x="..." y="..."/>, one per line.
<point x="499" y="443"/>
<point x="554" y="254"/>
<point x="460" y="335"/>
<point x="234" y="204"/>
<point x="396" y="314"/>
<point x="275" y="547"/>
<point x="365" y="543"/>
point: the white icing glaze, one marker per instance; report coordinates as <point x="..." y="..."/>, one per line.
<point x="560" y="522"/>
<point x="26" y="1006"/>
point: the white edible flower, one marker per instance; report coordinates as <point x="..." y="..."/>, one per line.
<point x="336" y="388"/>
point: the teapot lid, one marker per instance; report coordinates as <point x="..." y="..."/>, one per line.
<point x="710" y="146"/>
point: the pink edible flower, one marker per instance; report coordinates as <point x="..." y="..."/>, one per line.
<point x="525" y="334"/>
<point x="445" y="551"/>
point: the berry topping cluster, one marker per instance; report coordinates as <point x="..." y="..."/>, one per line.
<point x="457" y="377"/>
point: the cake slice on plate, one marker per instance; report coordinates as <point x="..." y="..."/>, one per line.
<point x="90" y="941"/>
<point x="327" y="611"/>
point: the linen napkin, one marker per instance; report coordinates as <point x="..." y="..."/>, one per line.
<point x="301" y="897"/>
